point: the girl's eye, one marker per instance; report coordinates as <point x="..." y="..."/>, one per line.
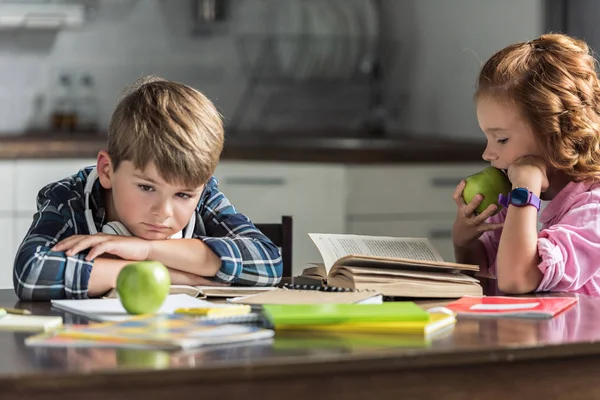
<point x="145" y="188"/>
<point x="184" y="195"/>
<point x="502" y="141"/>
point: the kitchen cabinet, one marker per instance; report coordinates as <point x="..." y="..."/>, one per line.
<point x="406" y="200"/>
<point x="313" y="194"/>
<point x="7" y="251"/>
<point x="7" y="178"/>
<point x="32" y="175"/>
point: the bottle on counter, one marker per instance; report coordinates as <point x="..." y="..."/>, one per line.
<point x="63" y="117"/>
<point x="87" y="105"/>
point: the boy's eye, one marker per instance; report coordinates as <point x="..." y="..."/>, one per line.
<point x="184" y="195"/>
<point x="145" y="188"/>
<point x="502" y="141"/>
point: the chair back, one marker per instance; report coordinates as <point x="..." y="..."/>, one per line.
<point x="281" y="236"/>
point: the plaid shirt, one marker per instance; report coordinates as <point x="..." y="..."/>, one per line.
<point x="247" y="256"/>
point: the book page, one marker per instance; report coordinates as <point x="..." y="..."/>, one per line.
<point x="335" y="246"/>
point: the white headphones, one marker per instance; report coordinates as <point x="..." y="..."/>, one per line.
<point x="116" y="227"/>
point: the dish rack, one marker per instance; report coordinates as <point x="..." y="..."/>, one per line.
<point x="320" y="80"/>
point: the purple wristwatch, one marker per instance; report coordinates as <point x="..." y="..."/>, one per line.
<point x="520" y="197"/>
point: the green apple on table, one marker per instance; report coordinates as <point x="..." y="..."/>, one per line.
<point x="143" y="286"/>
<point x="490" y="183"/>
<point x="141" y="358"/>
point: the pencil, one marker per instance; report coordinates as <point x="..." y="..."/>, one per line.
<point x="18" y="311"/>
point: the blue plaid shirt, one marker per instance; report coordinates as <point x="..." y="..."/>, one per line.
<point x="247" y="256"/>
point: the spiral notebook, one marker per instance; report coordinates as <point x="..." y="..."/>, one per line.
<point x="311" y="295"/>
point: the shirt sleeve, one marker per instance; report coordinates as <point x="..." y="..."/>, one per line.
<point x="491" y="240"/>
<point x="42" y="274"/>
<point x="247" y="256"/>
<point x="569" y="250"/>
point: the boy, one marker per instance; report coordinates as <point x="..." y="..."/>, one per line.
<point x="153" y="184"/>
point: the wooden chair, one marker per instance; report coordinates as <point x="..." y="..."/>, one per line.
<point x="281" y="236"/>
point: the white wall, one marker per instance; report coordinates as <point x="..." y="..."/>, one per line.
<point x="441" y="46"/>
<point x="438" y="45"/>
<point x="125" y="40"/>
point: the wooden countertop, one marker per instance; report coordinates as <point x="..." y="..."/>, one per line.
<point x="260" y="148"/>
<point x="480" y="358"/>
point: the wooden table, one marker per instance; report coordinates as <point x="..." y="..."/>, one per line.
<point x="481" y="358"/>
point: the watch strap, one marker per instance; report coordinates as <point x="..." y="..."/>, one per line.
<point x="532" y="199"/>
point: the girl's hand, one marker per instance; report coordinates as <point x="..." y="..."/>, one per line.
<point x="468" y="227"/>
<point x="529" y="172"/>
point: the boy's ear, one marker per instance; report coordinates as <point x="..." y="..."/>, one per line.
<point x="105" y="170"/>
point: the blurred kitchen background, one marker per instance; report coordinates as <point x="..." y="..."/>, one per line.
<point x="351" y="116"/>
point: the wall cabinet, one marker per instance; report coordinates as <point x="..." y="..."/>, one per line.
<point x="406" y="200"/>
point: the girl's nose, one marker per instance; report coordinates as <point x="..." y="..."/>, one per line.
<point x="488" y="155"/>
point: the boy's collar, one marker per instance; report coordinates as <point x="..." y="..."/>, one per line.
<point x="98" y="204"/>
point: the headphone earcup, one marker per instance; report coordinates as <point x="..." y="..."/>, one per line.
<point x="115" y="228"/>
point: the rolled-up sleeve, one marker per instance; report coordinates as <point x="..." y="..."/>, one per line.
<point x="42" y="274"/>
<point x="569" y="251"/>
<point x="247" y="256"/>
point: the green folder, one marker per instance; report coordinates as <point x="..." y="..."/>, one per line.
<point x="299" y="314"/>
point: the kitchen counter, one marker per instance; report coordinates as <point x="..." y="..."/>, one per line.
<point x="294" y="149"/>
<point x="484" y="358"/>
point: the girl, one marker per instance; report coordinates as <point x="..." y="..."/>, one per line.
<point x="538" y="104"/>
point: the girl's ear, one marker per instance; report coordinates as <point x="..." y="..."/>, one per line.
<point x="105" y="169"/>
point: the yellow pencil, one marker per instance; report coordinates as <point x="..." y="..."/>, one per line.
<point x="18" y="311"/>
<point x="215" y="311"/>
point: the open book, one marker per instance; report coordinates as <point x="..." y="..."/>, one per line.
<point x="400" y="267"/>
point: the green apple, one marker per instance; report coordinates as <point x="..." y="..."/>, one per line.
<point x="490" y="183"/>
<point x="138" y="358"/>
<point x="143" y="286"/>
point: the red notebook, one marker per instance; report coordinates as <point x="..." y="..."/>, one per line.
<point x="521" y="307"/>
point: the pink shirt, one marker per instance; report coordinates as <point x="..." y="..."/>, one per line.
<point x="568" y="243"/>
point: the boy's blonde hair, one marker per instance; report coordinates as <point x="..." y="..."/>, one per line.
<point x="169" y="124"/>
<point x="553" y="80"/>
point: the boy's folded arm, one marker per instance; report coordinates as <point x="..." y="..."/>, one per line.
<point x="249" y="261"/>
<point x="247" y="256"/>
<point x="42" y="274"/>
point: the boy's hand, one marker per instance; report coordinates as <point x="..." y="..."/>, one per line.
<point x="186" y="278"/>
<point x="125" y="247"/>
<point x="529" y="172"/>
<point x="468" y="226"/>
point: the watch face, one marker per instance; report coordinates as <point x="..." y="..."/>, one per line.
<point x="519" y="196"/>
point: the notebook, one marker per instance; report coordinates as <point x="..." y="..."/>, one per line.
<point x="287" y="296"/>
<point x="112" y="310"/>
<point x="437" y="321"/>
<point x="29" y="323"/>
<point x="156" y="331"/>
<point x="313" y="314"/>
<point x="349" y="341"/>
<point x="504" y="306"/>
